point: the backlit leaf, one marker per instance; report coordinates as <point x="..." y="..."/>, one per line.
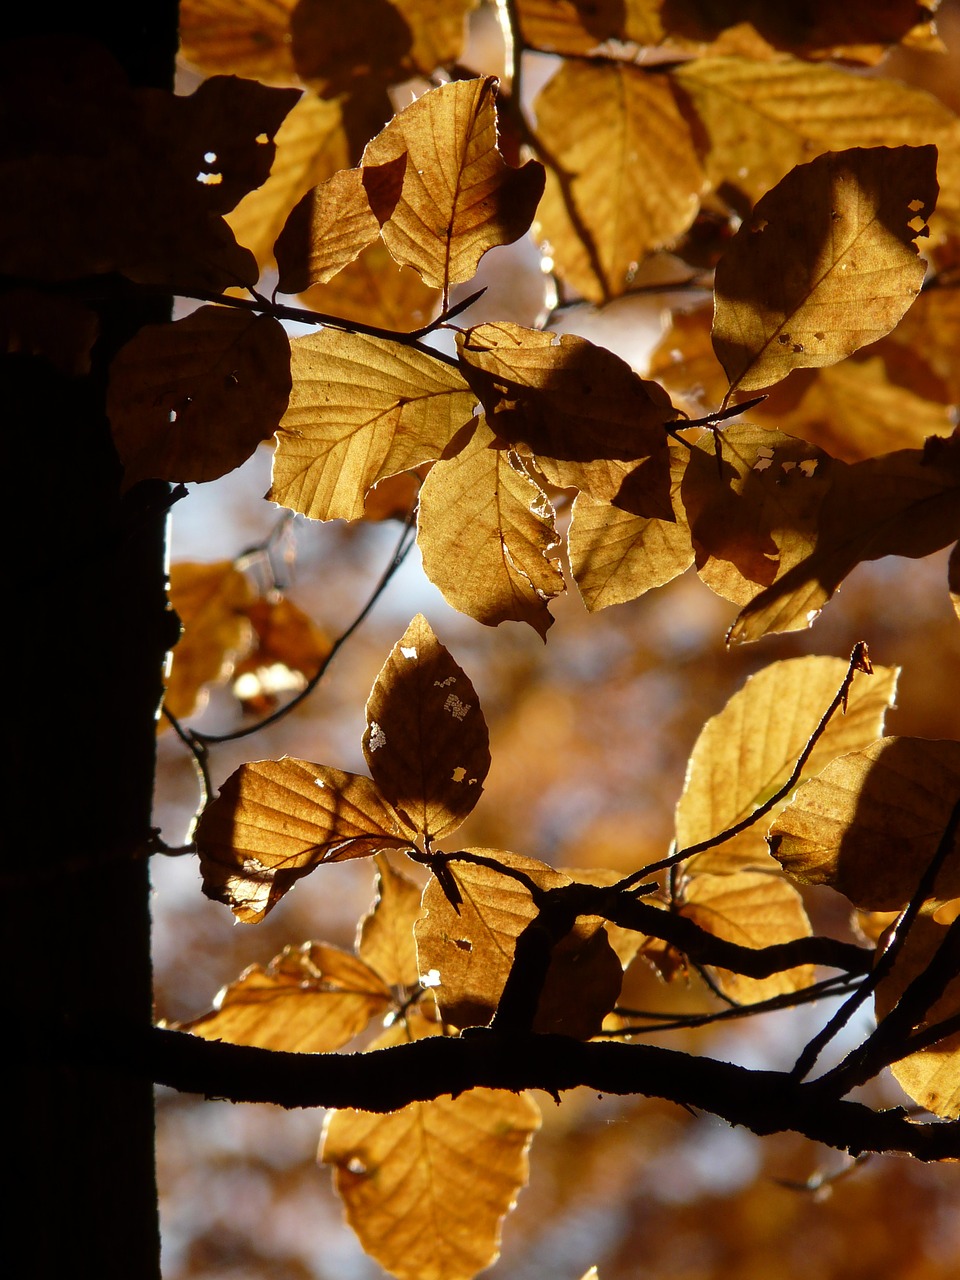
<point x="239" y="37"/>
<point x="459" y="198"/>
<point x="825" y="264"/>
<point x="376" y="290"/>
<point x="616" y="556"/>
<point x="275" y="820"/>
<point x="385" y="940"/>
<point x="580" y="410"/>
<point x="213" y="602"/>
<point x="192" y="399"/>
<point x="487" y="535"/>
<point x="361" y="409"/>
<point x="870" y="823"/>
<point x="427" y="1187"/>
<point x="285" y="638"/>
<point x="426" y="741"/>
<point x="628" y="179"/>
<point x="309" y="999"/>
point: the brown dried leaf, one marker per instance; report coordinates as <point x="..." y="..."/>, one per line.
<point x="870" y="824"/>
<point x="248" y="38"/>
<point x="616" y="556"/>
<point x="385" y="938"/>
<point x="826" y="263"/>
<point x="472" y="949"/>
<point x="334" y="223"/>
<point x="930" y="1077"/>
<point x="625" y="178"/>
<point x="459" y="198"/>
<point x="275" y="820"/>
<point x="374" y="290"/>
<point x="486" y="533"/>
<point x="426" y="1188"/>
<point x="338" y="48"/>
<point x="580" y="410"/>
<point x="213" y="602"/>
<point x="309" y="999"/>
<point x="361" y="409"/>
<point x="426" y="741"/>
<point x="754" y="909"/>
<point x="192" y="399"/>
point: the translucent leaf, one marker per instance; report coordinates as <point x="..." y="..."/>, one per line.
<point x="426" y="1188"/>
<point x="192" y="399"/>
<point x="870" y="824"/>
<point x="334" y="223"/>
<point x="285" y="640"/>
<point x="627" y="177"/>
<point x="754" y="909"/>
<point x="374" y="290"/>
<point x="438" y="28"/>
<point x="825" y="264"/>
<point x="931" y="1077"/>
<point x="580" y="410"/>
<point x="385" y="940"/>
<point x="309" y="999"/>
<point x="361" y="409"/>
<point x="275" y="820"/>
<point x="486" y="533"/>
<point x="248" y="38"/>
<point x="472" y="949"/>
<point x="571" y="27"/>
<point x="213" y="603"/>
<point x="459" y="198"/>
<point x="616" y="556"/>
<point x="426" y="741"/>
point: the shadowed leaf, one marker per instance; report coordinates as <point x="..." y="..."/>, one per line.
<point x="239" y="37"/>
<point x="385" y="939"/>
<point x="213" y="602"/>
<point x="373" y="289"/>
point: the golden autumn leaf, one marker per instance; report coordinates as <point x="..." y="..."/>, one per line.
<point x="309" y="999"/>
<point x="627" y="178"/>
<point x="426" y="741"/>
<point x="438" y="30"/>
<point x="275" y="820"/>
<point x="487" y="535"/>
<point x="459" y="198"/>
<point x="754" y="909"/>
<point x="761" y="118"/>
<point x="588" y="419"/>
<point x="472" y="949"/>
<point x="825" y="264"/>
<point x="361" y="409"/>
<point x="616" y="556"/>
<point x="746" y="752"/>
<point x="288" y="649"/>
<point x="426" y="1188"/>
<point x="192" y="399"/>
<point x="870" y="823"/>
<point x="239" y="37"/>
<point x="931" y="1077"/>
<point x="569" y="27"/>
<point x="334" y="223"/>
<point x="213" y="602"/>
<point x="385" y="938"/>
<point x="373" y="289"/>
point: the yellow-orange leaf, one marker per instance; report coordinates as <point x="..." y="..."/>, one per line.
<point x="361" y="409"/>
<point x="631" y="179"/>
<point x="309" y="999"/>
<point x="239" y="37"/>
<point x="471" y="949"/>
<point x="486" y="533"/>
<point x="616" y="556"/>
<point x="825" y="264"/>
<point x="459" y="198"/>
<point x="426" y="741"/>
<point x="288" y="650"/>
<point x="213" y="602"/>
<point x="385" y="941"/>
<point x="334" y="223"/>
<point x="754" y="909"/>
<point x="438" y="30"/>
<point x="871" y="822"/>
<point x="582" y="411"/>
<point x="426" y="1188"/>
<point x="275" y="820"/>
<point x="931" y="1077"/>
<point x="376" y="291"/>
<point x="571" y="27"/>
<point x="192" y="400"/>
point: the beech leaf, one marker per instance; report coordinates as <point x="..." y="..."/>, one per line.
<point x="373" y="289"/>
<point x="361" y="409"/>
<point x="487" y="535"/>
<point x="426" y="741"/>
<point x="192" y="399"/>
<point x="248" y="38"/>
<point x="870" y="823"/>
<point x="459" y="198"/>
<point x="385" y="939"/>
<point x="275" y="820"/>
<point x="309" y="999"/>
<point x="213" y="603"/>
<point x="825" y="264"/>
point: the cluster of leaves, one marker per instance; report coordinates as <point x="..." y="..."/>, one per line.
<point x="798" y="192"/>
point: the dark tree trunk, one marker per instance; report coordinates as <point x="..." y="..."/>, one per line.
<point x="87" y="630"/>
